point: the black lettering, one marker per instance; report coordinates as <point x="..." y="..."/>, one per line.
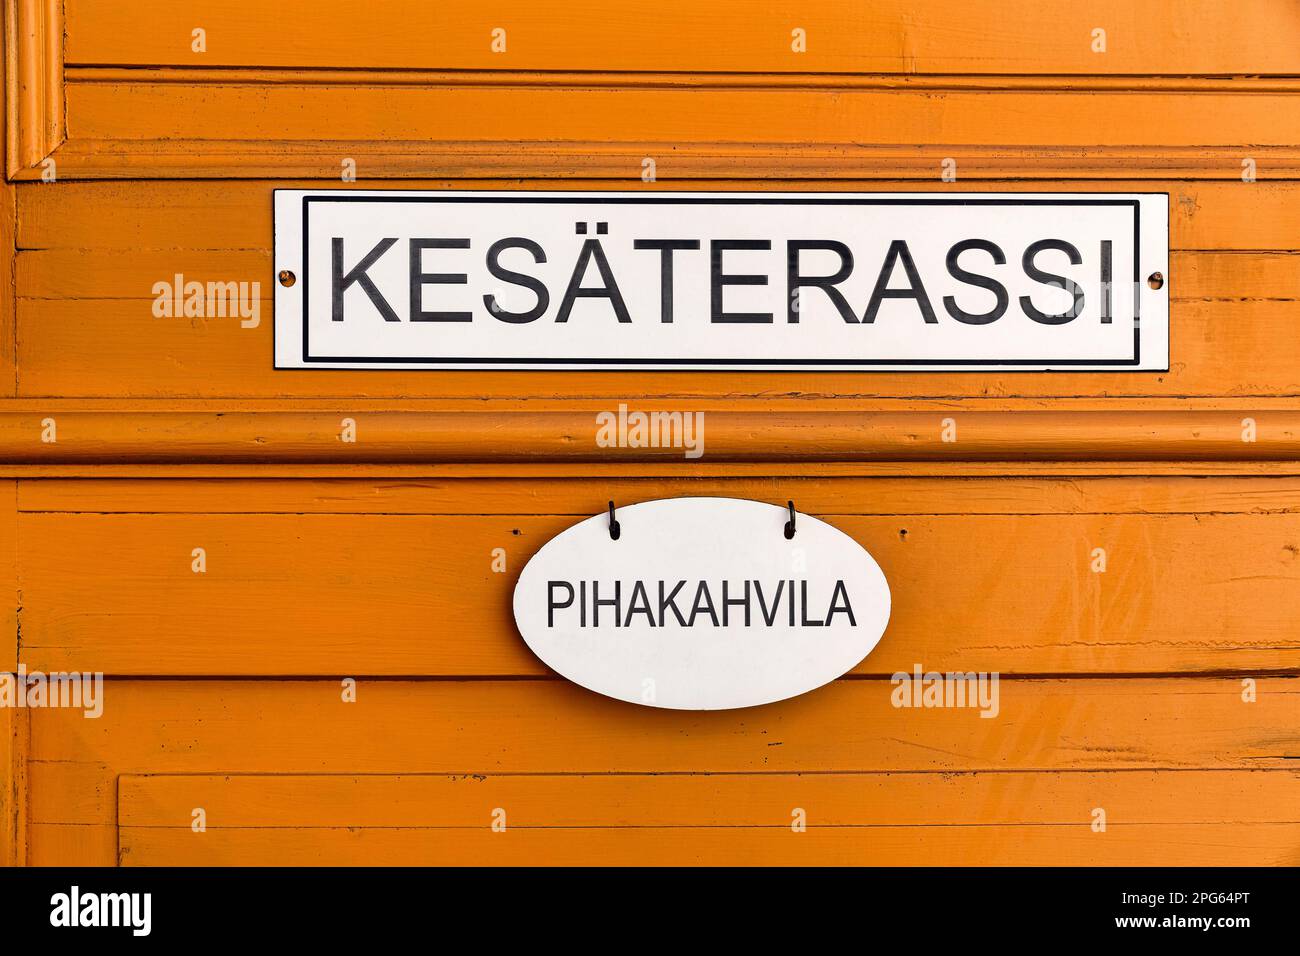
<point x="666" y="248"/>
<point x="1048" y="278"/>
<point x="608" y="289"/>
<point x="703" y="602"/>
<point x="837" y="608"/>
<point x="983" y="282"/>
<point x="803" y="607"/>
<point x="341" y="282"/>
<point x="718" y="279"/>
<point x="1106" y="281"/>
<point x="597" y="603"/>
<point x="516" y="278"/>
<point x="420" y="278"/>
<point x="794" y="280"/>
<point x="670" y="602"/>
<point x="729" y="602"/>
<point x="639" y="604"/>
<point x="552" y="607"/>
<point x="915" y="289"/>
<point x="769" y="619"/>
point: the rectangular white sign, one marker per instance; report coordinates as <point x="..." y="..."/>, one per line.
<point x="759" y="281"/>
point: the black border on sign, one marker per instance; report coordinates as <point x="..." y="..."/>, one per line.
<point x="688" y="363"/>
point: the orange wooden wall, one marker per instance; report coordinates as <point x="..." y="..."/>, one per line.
<point x="130" y="157"/>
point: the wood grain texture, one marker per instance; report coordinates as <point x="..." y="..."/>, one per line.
<point x="141" y="217"/>
<point x="820" y="494"/>
<point x="1121" y="689"/>
<point x="10" y="762"/>
<point x="10" y="596"/>
<point x="1017" y="37"/>
<point x="1003" y="818"/>
<point x="8" y="287"/>
<point x="512" y="727"/>
<point x="64" y="845"/>
<point x="428" y="801"/>
<point x="680" y="164"/>
<point x="101" y="348"/>
<point x="14" y="756"/>
<point x="503" y="726"/>
<point x="133" y="435"/>
<point x="378" y="594"/>
<point x="670" y="116"/>
<point x="134" y="123"/>
<point x="982" y="845"/>
<point x="35" y="122"/>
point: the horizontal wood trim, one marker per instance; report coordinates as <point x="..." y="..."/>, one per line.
<point x="681" y="80"/>
<point x="382" y="159"/>
<point x="490" y="131"/>
<point x="581" y="496"/>
<point x="377" y="594"/>
<point x="1001" y="818"/>
<point x="138" y="217"/>
<point x="146" y="436"/>
<point x="1138" y="845"/>
<point x="429" y="801"/>
<point x="674" y="116"/>
<point x="100" y="471"/>
<point x="989" y="36"/>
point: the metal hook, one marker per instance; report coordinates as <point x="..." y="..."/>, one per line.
<point x="614" y="529"/>
<point x="789" y="525"/>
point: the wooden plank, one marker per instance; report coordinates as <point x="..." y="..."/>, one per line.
<point x="53" y="844"/>
<point x="426" y="801"/>
<point x="117" y="349"/>
<point x="9" y="853"/>
<point x="10" y="597"/>
<point x="780" y="433"/>
<point x="1019" y="36"/>
<point x="25" y="132"/>
<point x="1030" y="818"/>
<point x="607" y="470"/>
<point x="13" y="723"/>
<point x="541" y="727"/>
<point x="1139" y="845"/>
<point x="545" y="495"/>
<point x="1064" y="119"/>
<point x="676" y="164"/>
<point x="179" y="217"/>
<point x="8" y="287"/>
<point x="374" y="594"/>
<point x="15" y="832"/>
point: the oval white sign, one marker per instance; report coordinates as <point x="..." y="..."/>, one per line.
<point x="702" y="604"/>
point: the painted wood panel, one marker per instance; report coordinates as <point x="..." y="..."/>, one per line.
<point x="512" y="727"/>
<point x="1198" y="817"/>
<point x="418" y="595"/>
<point x="1129" y="689"/>
<point x="353" y="113"/>
<point x="895" y="36"/>
<point x="86" y="325"/>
